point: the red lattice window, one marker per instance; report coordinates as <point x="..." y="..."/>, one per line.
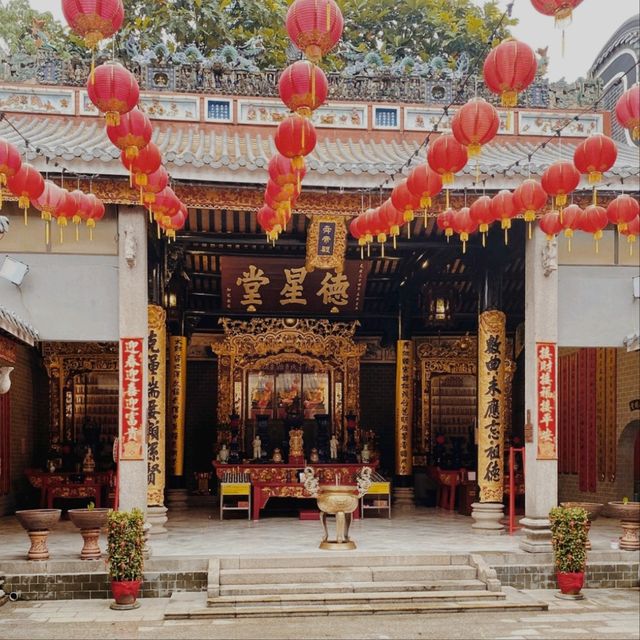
<point x="5" y="419"/>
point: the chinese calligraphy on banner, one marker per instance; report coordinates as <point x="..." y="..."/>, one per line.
<point x="404" y="407"/>
<point x="491" y="404"/>
<point x="157" y="366"/>
<point x="547" y="400"/>
<point x="177" y="393"/>
<point x="275" y="284"/>
<point x="132" y="418"/>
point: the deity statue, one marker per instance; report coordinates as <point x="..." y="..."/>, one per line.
<point x="333" y="447"/>
<point x="223" y="454"/>
<point x="257" y="448"/>
<point x="365" y="454"/>
<point x="314" y="457"/>
<point x="88" y="464"/>
<point x="295" y="442"/>
<point x="277" y="455"/>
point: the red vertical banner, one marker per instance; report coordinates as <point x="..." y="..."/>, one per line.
<point x="582" y="401"/>
<point x="5" y="442"/>
<point x="574" y="414"/>
<point x="562" y="415"/>
<point x="592" y="434"/>
<point x="546" y="384"/>
<point x="131" y="399"/>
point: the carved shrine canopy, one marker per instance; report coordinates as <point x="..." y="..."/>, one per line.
<point x="270" y="344"/>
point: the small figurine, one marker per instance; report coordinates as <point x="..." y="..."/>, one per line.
<point x="88" y="464"/>
<point x="314" y="457"/>
<point x="365" y="454"/>
<point x="257" y="448"/>
<point x="223" y="454"/>
<point x="277" y="455"/>
<point x="52" y="467"/>
<point x="333" y="448"/>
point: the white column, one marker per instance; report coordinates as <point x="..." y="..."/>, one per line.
<point x="541" y="325"/>
<point x="132" y="313"/>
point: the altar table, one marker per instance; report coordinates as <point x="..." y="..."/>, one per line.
<point x="282" y="481"/>
<point x="63" y="485"/>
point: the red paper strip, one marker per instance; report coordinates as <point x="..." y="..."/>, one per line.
<point x="546" y="383"/>
<point x="131" y="404"/>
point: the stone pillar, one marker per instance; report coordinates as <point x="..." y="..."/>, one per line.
<point x="404" y="421"/>
<point x="541" y="326"/>
<point x="132" y="305"/>
<point x="177" y="495"/>
<point x="156" y="432"/>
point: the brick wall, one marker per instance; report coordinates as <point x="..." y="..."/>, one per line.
<point x="29" y="427"/>
<point x="377" y="406"/>
<point x="201" y="416"/>
<point x="628" y="388"/>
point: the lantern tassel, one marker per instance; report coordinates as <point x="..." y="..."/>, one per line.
<point x="464" y="246"/>
<point x="484" y="239"/>
<point x="1" y="197"/>
<point x="77" y="232"/>
<point x="46" y="233"/>
<point x="408" y="231"/>
<point x="328" y="8"/>
<point x="368" y="250"/>
<point x="529" y="225"/>
<point x="395" y="246"/>
<point x="569" y="244"/>
<point x="26" y="221"/>
<point x="313" y="83"/>
<point x="595" y="196"/>
<point x="382" y="249"/>
<point x="426" y="218"/>
<point x="506" y="235"/>
<point x="93" y="66"/>
<point x="361" y="253"/>
<point x="447" y="197"/>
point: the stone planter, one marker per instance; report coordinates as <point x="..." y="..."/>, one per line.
<point x="37" y="523"/>
<point x="629" y="515"/>
<point x="593" y="510"/>
<point x="89" y="521"/>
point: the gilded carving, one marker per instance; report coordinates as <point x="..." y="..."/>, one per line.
<point x="404" y="407"/>
<point x="326" y="242"/>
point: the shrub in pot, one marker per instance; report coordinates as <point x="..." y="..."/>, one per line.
<point x="569" y="539"/>
<point x="126" y="561"/>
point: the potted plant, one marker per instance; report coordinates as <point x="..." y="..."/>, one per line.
<point x="126" y="544"/>
<point x="569" y="539"/>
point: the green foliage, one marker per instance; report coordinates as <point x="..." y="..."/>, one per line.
<point x="125" y="544"/>
<point x="91" y="506"/>
<point x="25" y="29"/>
<point x="569" y="538"/>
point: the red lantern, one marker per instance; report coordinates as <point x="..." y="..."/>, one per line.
<point x="165" y="204"/>
<point x="571" y="221"/>
<point x="267" y="218"/>
<point x="560" y="179"/>
<point x="156" y="182"/>
<point x="509" y="69"/>
<point x="446" y="156"/>
<point x="282" y="172"/>
<point x="622" y="210"/>
<point x="475" y="124"/>
<point x="444" y="222"/>
<point x="148" y="161"/>
<point x="303" y="87"/>
<point x="176" y="222"/>
<point x="392" y="217"/>
<point x="80" y="209"/>
<point x="47" y="203"/>
<point x="114" y="90"/>
<point x="561" y="10"/>
<point x="365" y="225"/>
<point x="503" y="209"/>
<point x="10" y="163"/>
<point x="295" y="138"/>
<point x="632" y="232"/>
<point x="628" y="111"/>
<point x="93" y="20"/>
<point x="356" y="229"/>
<point x="314" y="26"/>
<point x="594" y="156"/>
<point x="481" y="212"/>
<point x="27" y="184"/>
<point x="593" y="220"/>
<point x="64" y="212"/>
<point x="132" y="134"/>
<point x="405" y="202"/>
<point x="425" y="184"/>
<point x="464" y="225"/>
<point x="550" y="224"/>
<point x="529" y="198"/>
<point x="96" y="213"/>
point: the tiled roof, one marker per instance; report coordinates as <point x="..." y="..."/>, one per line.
<point x="14" y="325"/>
<point x="81" y="144"/>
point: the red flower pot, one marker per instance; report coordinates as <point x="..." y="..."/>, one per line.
<point x="125" y="592"/>
<point x="570" y="583"/>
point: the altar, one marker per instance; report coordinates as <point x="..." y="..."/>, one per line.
<point x="283" y="480"/>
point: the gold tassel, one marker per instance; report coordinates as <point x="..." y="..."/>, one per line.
<point x="77" y="232"/>
<point x="447" y="197"/>
<point x="408" y="231"/>
<point x="595" y="196"/>
<point x="313" y="84"/>
<point x="529" y="225"/>
<point x="394" y="242"/>
<point x="361" y="253"/>
<point x="506" y="235"/>
<point x="484" y="239"/>
<point x="46" y="232"/>
<point x="328" y="6"/>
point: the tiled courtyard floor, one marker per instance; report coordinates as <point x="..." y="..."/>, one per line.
<point x="604" y="614"/>
<point x="199" y="532"/>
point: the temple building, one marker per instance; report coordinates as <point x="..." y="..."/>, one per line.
<point x="419" y="356"/>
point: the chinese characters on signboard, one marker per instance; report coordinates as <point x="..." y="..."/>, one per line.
<point x="404" y="407"/>
<point x="546" y="399"/>
<point x="132" y="419"/>
<point x="276" y="285"/>
<point x="491" y="368"/>
<point x="326" y="243"/>
<point x="177" y="387"/>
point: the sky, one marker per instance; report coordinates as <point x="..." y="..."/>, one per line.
<point x="593" y="24"/>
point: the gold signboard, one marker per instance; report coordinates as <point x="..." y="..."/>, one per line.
<point x="156" y="440"/>
<point x="326" y="243"/>
<point x="404" y="407"/>
<point x="177" y="386"/>
<point x="491" y="404"/>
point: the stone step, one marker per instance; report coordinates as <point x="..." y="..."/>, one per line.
<point x="277" y="610"/>
<point x="340" y="559"/>
<point x="345" y="574"/>
<point x="350" y="587"/>
<point x="351" y="598"/>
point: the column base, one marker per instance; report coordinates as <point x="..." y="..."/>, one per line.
<point x="177" y="499"/>
<point x="537" y="533"/>
<point x="487" y="516"/>
<point x="157" y="517"/>
<point x="403" y="497"/>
